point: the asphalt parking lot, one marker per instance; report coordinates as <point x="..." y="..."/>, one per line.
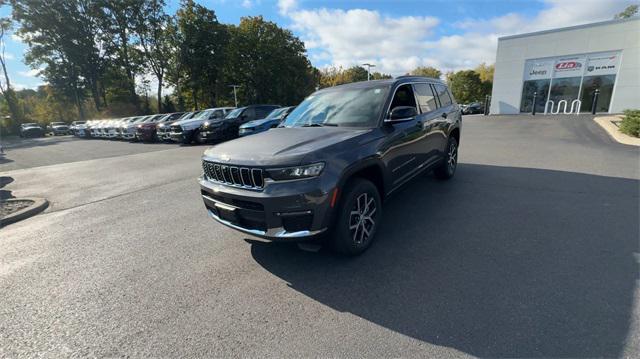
<point x="530" y="251"/>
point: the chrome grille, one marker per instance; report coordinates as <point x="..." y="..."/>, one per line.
<point x="232" y="175"/>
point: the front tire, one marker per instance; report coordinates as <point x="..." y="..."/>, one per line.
<point x="199" y="139"/>
<point x="358" y="218"/>
<point x="448" y="167"/>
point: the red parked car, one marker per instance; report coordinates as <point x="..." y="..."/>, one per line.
<point x="147" y="131"/>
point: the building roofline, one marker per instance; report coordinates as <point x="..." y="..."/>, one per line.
<point x="593" y="24"/>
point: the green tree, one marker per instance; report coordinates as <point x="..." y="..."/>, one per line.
<point x="333" y="76"/>
<point x="269" y="63"/>
<point x="154" y="35"/>
<point x="118" y="20"/>
<point x="201" y="42"/>
<point x="466" y="86"/>
<point x="629" y="11"/>
<point x="426" y="71"/>
<point x="62" y="40"/>
<point x="485" y="72"/>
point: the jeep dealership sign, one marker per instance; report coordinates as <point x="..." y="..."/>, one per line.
<point x="572" y="66"/>
<point x="538" y="69"/>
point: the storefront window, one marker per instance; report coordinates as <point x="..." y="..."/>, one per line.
<point x="571" y="78"/>
<point x="541" y="87"/>
<point x="605" y="85"/>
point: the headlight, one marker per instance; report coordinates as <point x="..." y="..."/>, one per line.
<point x="289" y="173"/>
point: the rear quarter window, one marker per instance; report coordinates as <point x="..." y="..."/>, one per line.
<point x="443" y="94"/>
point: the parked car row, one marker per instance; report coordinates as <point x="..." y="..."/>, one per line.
<point x="212" y="124"/>
<point x="32" y="129"/>
<point x="472" y="108"/>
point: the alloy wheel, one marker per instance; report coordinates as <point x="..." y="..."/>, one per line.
<point x="452" y="157"/>
<point x="361" y="221"/>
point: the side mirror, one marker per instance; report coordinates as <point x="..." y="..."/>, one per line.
<point x="401" y="113"/>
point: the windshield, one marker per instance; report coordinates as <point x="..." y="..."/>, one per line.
<point x="277" y="113"/>
<point x="202" y="115"/>
<point x="351" y="107"/>
<point x="57" y="123"/>
<point x="235" y="113"/>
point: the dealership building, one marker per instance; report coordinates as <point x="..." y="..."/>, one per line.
<point x="562" y="69"/>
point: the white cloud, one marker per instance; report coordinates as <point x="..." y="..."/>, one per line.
<point x="399" y="44"/>
<point x="30" y="73"/>
<point x="9" y="56"/>
<point x="354" y="36"/>
<point x="247" y="4"/>
<point x="285" y="6"/>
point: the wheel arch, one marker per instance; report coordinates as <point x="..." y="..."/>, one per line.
<point x="372" y="170"/>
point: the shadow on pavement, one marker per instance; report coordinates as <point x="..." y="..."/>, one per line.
<point x="37" y="142"/>
<point x="5" y="194"/>
<point x="498" y="262"/>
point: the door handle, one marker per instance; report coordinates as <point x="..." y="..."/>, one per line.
<point x="444" y="115"/>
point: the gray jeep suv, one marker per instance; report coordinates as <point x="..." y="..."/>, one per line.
<point x="323" y="173"/>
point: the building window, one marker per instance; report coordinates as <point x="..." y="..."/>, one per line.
<point x="541" y="88"/>
<point x="589" y="85"/>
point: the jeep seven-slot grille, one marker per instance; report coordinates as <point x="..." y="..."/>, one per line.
<point x="233" y="175"/>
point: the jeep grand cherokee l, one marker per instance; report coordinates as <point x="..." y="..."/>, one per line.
<point x="227" y="128"/>
<point x="324" y="172"/>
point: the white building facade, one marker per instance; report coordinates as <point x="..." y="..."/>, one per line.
<point x="563" y="68"/>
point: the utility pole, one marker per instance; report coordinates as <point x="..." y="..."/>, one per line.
<point x="235" y="97"/>
<point x="369" y="66"/>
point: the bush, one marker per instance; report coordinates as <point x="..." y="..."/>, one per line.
<point x="631" y="123"/>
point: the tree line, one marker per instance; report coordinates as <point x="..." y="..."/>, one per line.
<point x="98" y="58"/>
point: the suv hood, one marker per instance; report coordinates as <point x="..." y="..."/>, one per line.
<point x="256" y="123"/>
<point x="280" y="146"/>
<point x="189" y="123"/>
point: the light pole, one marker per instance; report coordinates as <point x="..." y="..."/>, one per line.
<point x="235" y="97"/>
<point x="369" y="66"/>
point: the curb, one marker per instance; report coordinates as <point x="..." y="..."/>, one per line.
<point x="39" y="205"/>
<point x="612" y="130"/>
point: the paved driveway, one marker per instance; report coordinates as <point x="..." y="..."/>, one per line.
<point x="531" y="251"/>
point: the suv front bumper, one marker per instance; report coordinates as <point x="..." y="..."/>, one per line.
<point x="281" y="211"/>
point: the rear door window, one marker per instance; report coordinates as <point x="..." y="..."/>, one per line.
<point x="426" y="97"/>
<point x="249" y="114"/>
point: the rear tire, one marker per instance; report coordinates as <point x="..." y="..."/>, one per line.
<point x="358" y="218"/>
<point x="448" y="167"/>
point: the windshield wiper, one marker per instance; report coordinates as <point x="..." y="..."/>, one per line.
<point x="319" y="124"/>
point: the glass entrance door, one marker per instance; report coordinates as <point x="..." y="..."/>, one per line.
<point x="563" y="92"/>
<point x="604" y="83"/>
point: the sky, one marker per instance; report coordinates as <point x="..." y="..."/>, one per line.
<point x="396" y="36"/>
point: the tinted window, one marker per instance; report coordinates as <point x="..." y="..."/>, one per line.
<point x="217" y="114"/>
<point x="403" y="97"/>
<point x="250" y="113"/>
<point x="426" y="97"/>
<point x="443" y="94"/>
<point x="262" y="112"/>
